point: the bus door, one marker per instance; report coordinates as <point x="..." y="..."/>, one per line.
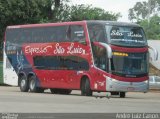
<point x="101" y="62"/>
<point x="76" y="65"/>
<point x="98" y="37"/>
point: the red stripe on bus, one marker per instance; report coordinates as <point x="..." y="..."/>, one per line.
<point x="131" y="50"/>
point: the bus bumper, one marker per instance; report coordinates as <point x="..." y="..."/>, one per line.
<point x="115" y="85"/>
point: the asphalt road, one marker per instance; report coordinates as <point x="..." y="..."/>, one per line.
<point x="14" y="101"/>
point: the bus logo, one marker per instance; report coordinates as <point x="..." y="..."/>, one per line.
<point x="70" y="49"/>
<point x="32" y="50"/>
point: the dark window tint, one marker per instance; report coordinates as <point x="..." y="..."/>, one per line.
<point x="129" y="64"/>
<point x="126" y="36"/>
<point x="37" y="35"/>
<point x="75" y="33"/>
<point x="42" y="62"/>
<point x="100" y="57"/>
<point x="71" y="33"/>
<point x="59" y="62"/>
<point x="96" y="33"/>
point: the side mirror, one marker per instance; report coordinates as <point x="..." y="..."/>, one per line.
<point x="155" y="55"/>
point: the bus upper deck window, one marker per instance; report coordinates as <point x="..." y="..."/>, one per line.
<point x="96" y="33"/>
<point x="77" y="33"/>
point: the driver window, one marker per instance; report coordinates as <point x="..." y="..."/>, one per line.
<point x="100" y="57"/>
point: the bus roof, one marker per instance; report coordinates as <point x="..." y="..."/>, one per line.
<point x="45" y="24"/>
<point x="116" y="23"/>
<point x="74" y="22"/>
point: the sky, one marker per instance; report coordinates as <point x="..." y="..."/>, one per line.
<point x="114" y="6"/>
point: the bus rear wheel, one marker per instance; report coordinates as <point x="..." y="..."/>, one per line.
<point x="85" y="88"/>
<point x="33" y="87"/>
<point x="23" y="84"/>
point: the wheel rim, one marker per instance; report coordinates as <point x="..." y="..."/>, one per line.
<point x="32" y="84"/>
<point x="23" y="83"/>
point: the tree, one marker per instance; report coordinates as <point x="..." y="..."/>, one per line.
<point x="82" y="12"/>
<point x="14" y="12"/>
<point x="144" y="10"/>
<point x="153" y="30"/>
<point x="54" y="10"/>
<point x="147" y="14"/>
<point x="18" y="12"/>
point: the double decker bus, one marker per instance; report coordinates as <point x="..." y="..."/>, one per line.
<point x="101" y="56"/>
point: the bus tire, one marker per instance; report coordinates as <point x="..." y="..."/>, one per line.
<point x="32" y="84"/>
<point x="85" y="88"/>
<point x="122" y="94"/>
<point x="24" y="87"/>
<point x="33" y="87"/>
<point x="83" y="92"/>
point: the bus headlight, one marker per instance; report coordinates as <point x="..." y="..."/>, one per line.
<point x="146" y="81"/>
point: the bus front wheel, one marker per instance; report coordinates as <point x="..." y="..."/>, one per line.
<point x="85" y="88"/>
<point x="23" y="84"/>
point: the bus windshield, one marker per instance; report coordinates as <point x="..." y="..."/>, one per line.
<point x="129" y="64"/>
<point x="126" y="36"/>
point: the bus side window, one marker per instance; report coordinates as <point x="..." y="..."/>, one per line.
<point x="76" y="33"/>
<point x="61" y="33"/>
<point x="60" y="63"/>
<point x="92" y="35"/>
<point x="76" y="63"/>
<point x="68" y="33"/>
<point x="26" y="36"/>
<point x="96" y="33"/>
<point x="47" y="62"/>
